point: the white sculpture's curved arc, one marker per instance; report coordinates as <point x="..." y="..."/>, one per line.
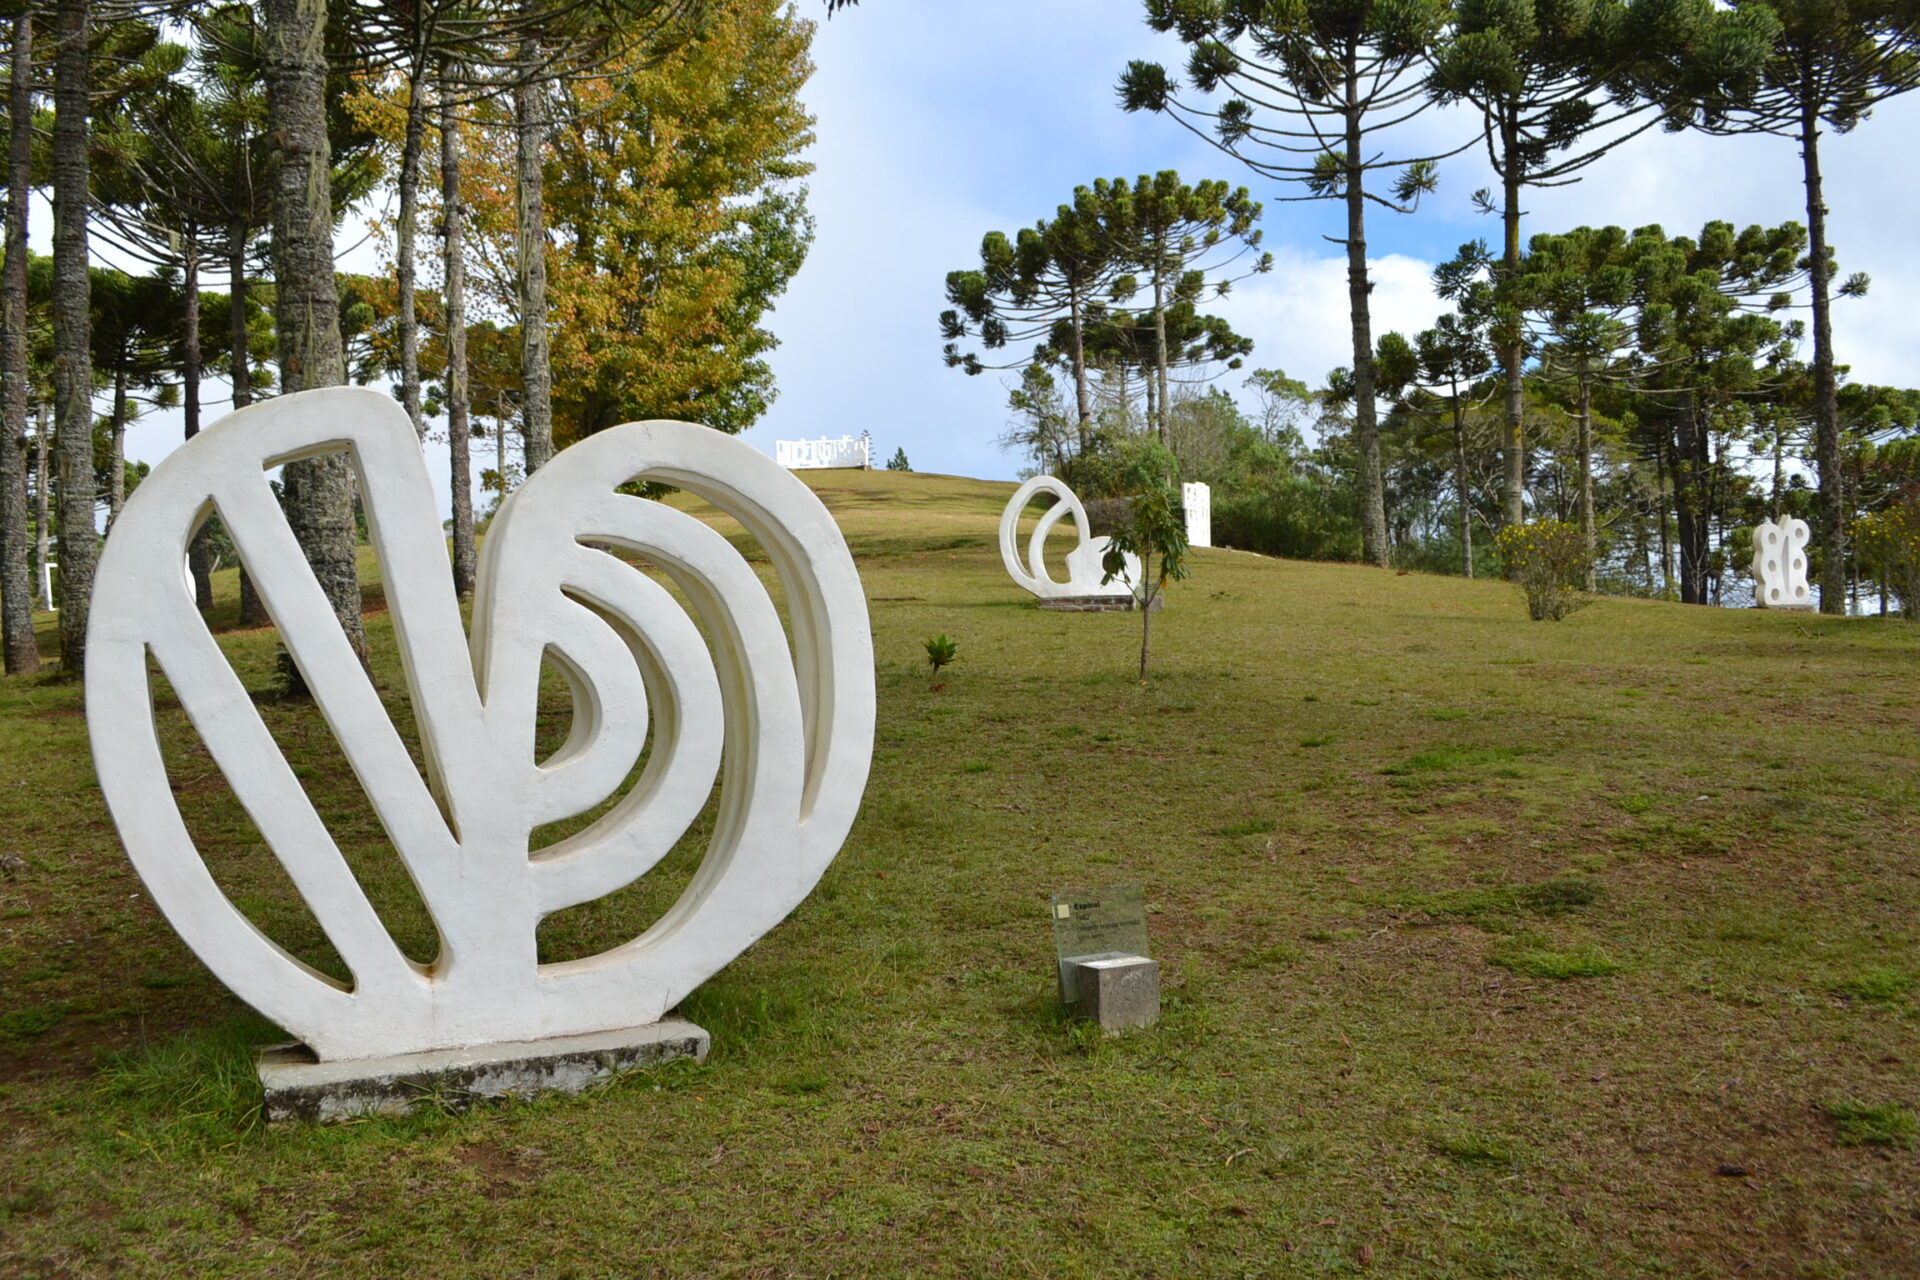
<point x="796" y="724"/>
<point x="1780" y="563"/>
<point x="1084" y="567"/>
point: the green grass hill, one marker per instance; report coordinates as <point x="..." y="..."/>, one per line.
<point x="1490" y="948"/>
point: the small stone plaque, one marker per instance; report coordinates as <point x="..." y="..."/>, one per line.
<point x="1110" y="921"/>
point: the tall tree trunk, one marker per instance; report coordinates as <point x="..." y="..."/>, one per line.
<point x="1589" y="536"/>
<point x="1826" y="395"/>
<point x="117" y="434"/>
<point x="1160" y="345"/>
<point x="459" y="430"/>
<point x="530" y="132"/>
<point x="1077" y="352"/>
<point x="403" y="248"/>
<point x="1366" y="429"/>
<point x="1513" y="352"/>
<point x="253" y="610"/>
<point x="72" y="358"/>
<point x="17" y="586"/>
<point x="239" y="360"/>
<point x="1662" y="490"/>
<point x="319" y="491"/>
<point x="42" y="507"/>
<point x="199" y="552"/>
<point x="1462" y="494"/>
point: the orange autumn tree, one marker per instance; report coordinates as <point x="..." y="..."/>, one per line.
<point x="676" y="217"/>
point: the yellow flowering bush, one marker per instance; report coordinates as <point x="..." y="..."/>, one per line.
<point x="1548" y="558"/>
<point x="1889" y="542"/>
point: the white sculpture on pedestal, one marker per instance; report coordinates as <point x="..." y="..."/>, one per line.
<point x="796" y="726"/>
<point x="1084" y="571"/>
<point x="1780" y="564"/>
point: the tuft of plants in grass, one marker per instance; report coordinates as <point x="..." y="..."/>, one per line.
<point x="1470" y="1147"/>
<point x="1861" y="1124"/>
<point x="941" y="650"/>
<point x="1877" y="986"/>
<point x="1538" y="962"/>
<point x="1551" y="562"/>
<point x="1488" y="907"/>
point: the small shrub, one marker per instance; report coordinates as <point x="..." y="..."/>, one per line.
<point x="941" y="650"/>
<point x="1889" y="542"/>
<point x="1857" y="1124"/>
<point x="1550" y="561"/>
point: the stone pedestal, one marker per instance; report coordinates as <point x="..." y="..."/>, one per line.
<point x="298" y="1087"/>
<point x="1119" y="992"/>
<point x="1097" y="604"/>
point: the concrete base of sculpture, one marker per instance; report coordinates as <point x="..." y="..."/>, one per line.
<point x="300" y="1088"/>
<point x="1097" y="604"/>
<point x="1120" y="992"/>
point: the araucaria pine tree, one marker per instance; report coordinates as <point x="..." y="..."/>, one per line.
<point x="1309" y="87"/>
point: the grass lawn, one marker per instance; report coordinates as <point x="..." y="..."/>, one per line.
<point x="1490" y="948"/>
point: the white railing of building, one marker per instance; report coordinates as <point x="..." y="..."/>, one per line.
<point x="847" y="451"/>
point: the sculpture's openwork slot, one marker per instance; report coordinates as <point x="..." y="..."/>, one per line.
<point x="672" y="683"/>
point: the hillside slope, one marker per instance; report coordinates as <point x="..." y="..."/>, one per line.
<point x="1491" y="948"/>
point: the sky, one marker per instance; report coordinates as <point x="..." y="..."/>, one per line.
<point x="936" y="123"/>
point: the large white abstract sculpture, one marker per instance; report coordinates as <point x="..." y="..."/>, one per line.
<point x="1084" y="571"/>
<point x="1780" y="564"/>
<point x="789" y="733"/>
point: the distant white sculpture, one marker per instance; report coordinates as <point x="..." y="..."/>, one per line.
<point x="1780" y="564"/>
<point x="804" y="455"/>
<point x="790" y="733"/>
<point x="1084" y="569"/>
<point x="1196" y="500"/>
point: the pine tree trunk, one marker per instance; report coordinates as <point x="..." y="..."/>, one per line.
<point x="1366" y="429"/>
<point x="42" y="507"/>
<point x="1512" y="353"/>
<point x="403" y="255"/>
<point x="239" y="361"/>
<point x="459" y="430"/>
<point x="117" y="434"/>
<point x="1462" y="494"/>
<point x="72" y="358"/>
<point x="17" y="586"/>
<point x="1662" y="491"/>
<point x="199" y="554"/>
<point x="1160" y="344"/>
<point x="1826" y="396"/>
<point x="1082" y="393"/>
<point x="530" y="130"/>
<point x="1589" y="537"/>
<point x="319" y="491"/>
<point x="253" y="610"/>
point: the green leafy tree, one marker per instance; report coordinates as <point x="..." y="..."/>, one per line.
<point x="1308" y="87"/>
<point x="1179" y="236"/>
<point x="1833" y="62"/>
<point x="1440" y="370"/>
<point x="1043" y="283"/>
<point x="1559" y="85"/>
<point x="1153" y="529"/>
<point x="898" y="462"/>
